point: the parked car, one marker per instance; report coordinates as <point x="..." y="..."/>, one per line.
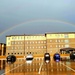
<point x="47" y="57"/>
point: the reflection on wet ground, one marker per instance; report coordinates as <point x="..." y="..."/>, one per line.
<point x="39" y="67"/>
<point x="2" y="64"/>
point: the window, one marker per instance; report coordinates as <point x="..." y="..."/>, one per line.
<point x="67" y="45"/>
<point x="9" y="38"/>
<point x="44" y="41"/>
<point x="8" y="43"/>
<point x="62" y="46"/>
<point x="56" y="45"/>
<point x="41" y="41"/>
<point x="12" y="47"/>
<point x="27" y="47"/>
<point x="19" y="47"/>
<point x="15" y="42"/>
<point x="21" y="43"/>
<point x="38" y="41"/>
<point x="50" y="45"/>
<point x="56" y="40"/>
<point x="30" y="42"/>
<point x="66" y="41"/>
<point x="15" y="47"/>
<point x="18" y="42"/>
<point x="33" y="42"/>
<point x="50" y="40"/>
<point x="27" y="42"/>
<point x="12" y="42"/>
<point x="66" y="35"/>
<point x="33" y="47"/>
<point x="59" y="45"/>
<point x="8" y="53"/>
<point x="17" y="53"/>
<point x="30" y="47"/>
<point x="18" y="37"/>
<point x="61" y="40"/>
<point x="39" y="46"/>
<point x="44" y="46"/>
<point x="21" y="37"/>
<point x="12" y="37"/>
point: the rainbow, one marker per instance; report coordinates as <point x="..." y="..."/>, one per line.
<point x="36" y="20"/>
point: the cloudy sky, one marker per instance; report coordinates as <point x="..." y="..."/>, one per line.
<point x="36" y="17"/>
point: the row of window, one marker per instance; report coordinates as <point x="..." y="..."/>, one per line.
<point x="28" y="42"/>
<point x="27" y="37"/>
<point x="32" y="42"/>
<point x="59" y="46"/>
<point x="66" y="41"/>
<point x="15" y="53"/>
<point x="26" y="53"/>
<point x="37" y="47"/>
<point x="38" y="42"/>
<point x="28" y="47"/>
<point x="60" y="35"/>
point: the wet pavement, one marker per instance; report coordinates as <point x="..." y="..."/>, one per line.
<point x="39" y="67"/>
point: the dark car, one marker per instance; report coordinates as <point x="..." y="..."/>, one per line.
<point x="72" y="56"/>
<point x="56" y="57"/>
<point x="47" y="57"/>
<point x="11" y="59"/>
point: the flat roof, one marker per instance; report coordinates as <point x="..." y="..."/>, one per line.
<point x="26" y="35"/>
<point x="41" y="34"/>
<point x="60" y="33"/>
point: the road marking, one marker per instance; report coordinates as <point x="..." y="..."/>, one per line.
<point x="40" y="67"/>
<point x="12" y="69"/>
<point x="67" y="67"/>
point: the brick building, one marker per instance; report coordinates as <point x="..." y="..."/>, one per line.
<point x="2" y="49"/>
<point x="21" y="45"/>
<point x="2" y="53"/>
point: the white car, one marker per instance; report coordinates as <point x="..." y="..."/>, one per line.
<point x="29" y="58"/>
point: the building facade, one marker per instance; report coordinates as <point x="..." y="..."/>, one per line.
<point x="21" y="45"/>
<point x="2" y="49"/>
<point x="2" y="53"/>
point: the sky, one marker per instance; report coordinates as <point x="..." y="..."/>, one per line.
<point x="36" y="17"/>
